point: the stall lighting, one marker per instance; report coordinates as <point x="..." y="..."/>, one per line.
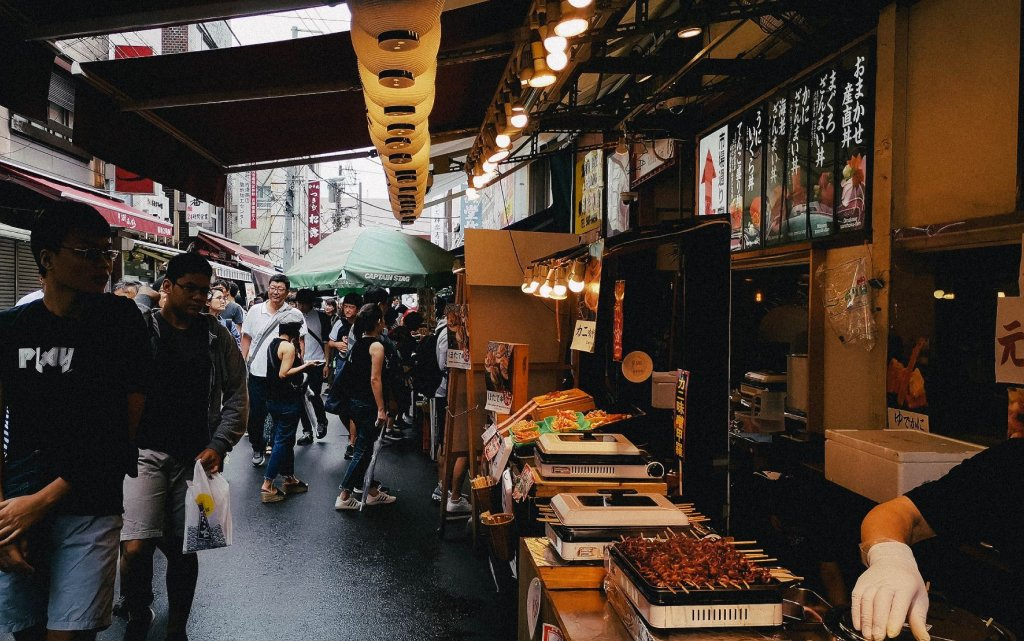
<point x="1000" y="294"/>
<point x="948" y="296"/>
<point x="471" y="193"/>
<point x="399" y="40"/>
<point x="645" y="78"/>
<point x="758" y="297"/>
<point x="557" y="60"/>
<point x="401" y="129"/>
<point x="531" y="281"/>
<point x="396" y="78"/>
<point x="579" y="4"/>
<point x="559" y="288"/>
<point x="554" y="43"/>
<point x="549" y="284"/>
<point x="938" y="294"/>
<point x="576" y="273"/>
<point x="575" y="20"/>
<point x="480" y="180"/>
<point x="498" y="156"/>
<point x="689" y="32"/>
<point x="488" y="166"/>
<point x="542" y="75"/>
<point x="503" y="140"/>
<point x="517" y="116"/>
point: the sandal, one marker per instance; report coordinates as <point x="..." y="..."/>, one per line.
<point x="295" y="487"/>
<point x="273" y="495"/>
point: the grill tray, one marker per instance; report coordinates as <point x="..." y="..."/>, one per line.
<point x="757" y="593"/>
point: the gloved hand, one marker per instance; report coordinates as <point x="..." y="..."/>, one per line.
<point x="890" y="592"/>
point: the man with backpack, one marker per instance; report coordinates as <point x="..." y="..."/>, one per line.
<point x="318" y="326"/>
<point x="457" y="504"/>
<point x="196" y="410"/>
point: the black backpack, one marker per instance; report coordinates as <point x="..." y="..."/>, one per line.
<point x="426" y="375"/>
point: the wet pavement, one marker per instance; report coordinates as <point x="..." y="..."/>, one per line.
<point x="300" y="571"/>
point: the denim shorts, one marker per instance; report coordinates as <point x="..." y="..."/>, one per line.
<point x="154" y="501"/>
<point x="72" y="588"/>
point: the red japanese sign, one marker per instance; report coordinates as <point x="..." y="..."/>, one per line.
<point x="313" y="213"/>
<point x="620" y="294"/>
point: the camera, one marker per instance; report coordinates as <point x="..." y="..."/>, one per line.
<point x="628" y="197"/>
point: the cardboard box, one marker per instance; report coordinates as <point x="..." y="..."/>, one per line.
<point x="883" y="464"/>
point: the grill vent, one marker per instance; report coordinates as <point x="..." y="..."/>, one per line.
<point x="593" y="470"/>
<point x="719" y="614"/>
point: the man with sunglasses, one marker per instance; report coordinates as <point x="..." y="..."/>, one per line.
<point x="196" y="411"/>
<point x="258" y="329"/>
<point x="72" y="372"/>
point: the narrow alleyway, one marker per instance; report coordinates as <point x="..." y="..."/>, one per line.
<point x="299" y="571"/>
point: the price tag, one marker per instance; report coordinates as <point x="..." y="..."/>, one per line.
<point x="584" y="335"/>
<point x="492" y="447"/>
<point x="533" y="605"/>
<point x="523" y="484"/>
<point x="489" y="433"/>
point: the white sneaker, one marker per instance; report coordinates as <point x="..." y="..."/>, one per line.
<point x="347" y="504"/>
<point x="381" y="498"/>
<point x="461" y="506"/>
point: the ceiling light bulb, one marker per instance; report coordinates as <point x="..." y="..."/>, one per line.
<point x="576" y="276"/>
<point x="559" y="287"/>
<point x="688" y="32"/>
<point x="555" y="42"/>
<point x="579" y="4"/>
<point x="471" y="193"/>
<point x="503" y="140"/>
<point x="938" y="293"/>
<point x="498" y="156"/>
<point x="488" y="166"/>
<point x="549" y="284"/>
<point x="519" y="119"/>
<point x="543" y="78"/>
<point x="557" y="60"/>
<point x="480" y="181"/>
<point x="531" y="281"/>
<point x="575" y="20"/>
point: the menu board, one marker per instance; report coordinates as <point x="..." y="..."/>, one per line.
<point x="753" y="177"/>
<point x="795" y="225"/>
<point x="823" y="155"/>
<point x="775" y="169"/>
<point x="855" y="135"/>
<point x="735" y="189"/>
<point x="712" y="172"/>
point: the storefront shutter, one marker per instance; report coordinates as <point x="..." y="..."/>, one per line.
<point x="28" y="273"/>
<point x="8" y="273"/>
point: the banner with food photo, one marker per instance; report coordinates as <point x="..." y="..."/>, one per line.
<point x="591" y="294"/>
<point x="794" y="227"/>
<point x="775" y="169"/>
<point x="753" y="177"/>
<point x="856" y="97"/>
<point x="824" y="134"/>
<point x="499" y="374"/>
<point x="458" y="337"/>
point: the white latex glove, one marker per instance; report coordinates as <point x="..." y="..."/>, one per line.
<point x="890" y="592"/>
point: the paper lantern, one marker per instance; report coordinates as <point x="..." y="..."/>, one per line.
<point x="380" y="16"/>
<point x="405" y="112"/>
<point x="397" y="94"/>
<point x="376" y="59"/>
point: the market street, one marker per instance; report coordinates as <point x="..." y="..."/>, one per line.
<point x="298" y="570"/>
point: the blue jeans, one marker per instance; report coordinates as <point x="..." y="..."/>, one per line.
<point x="286" y="421"/>
<point x="257" y="411"/>
<point x="367" y="431"/>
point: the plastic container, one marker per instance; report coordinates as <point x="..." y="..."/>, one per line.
<point x="883" y="464"/>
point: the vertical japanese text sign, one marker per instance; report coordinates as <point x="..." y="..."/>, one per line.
<point x="313" y="213"/>
<point x="244" y="200"/>
<point x="679" y="423"/>
<point x="252" y="199"/>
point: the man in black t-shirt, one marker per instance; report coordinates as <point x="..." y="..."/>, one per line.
<point x="196" y="410"/>
<point x="980" y="500"/>
<point x="72" y="370"/>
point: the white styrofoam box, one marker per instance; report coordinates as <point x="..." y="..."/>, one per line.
<point x="883" y="464"/>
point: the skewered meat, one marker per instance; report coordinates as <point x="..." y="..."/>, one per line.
<point x="693" y="562"/>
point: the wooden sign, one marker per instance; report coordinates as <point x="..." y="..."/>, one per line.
<point x="679" y="423"/>
<point x="583" y="336"/>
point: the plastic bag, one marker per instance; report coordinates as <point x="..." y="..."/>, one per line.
<point x="846" y="294"/>
<point x="207" y="512"/>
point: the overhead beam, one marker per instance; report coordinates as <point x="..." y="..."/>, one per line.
<point x="91" y="20"/>
<point x="736" y="67"/>
<point x="630" y="65"/>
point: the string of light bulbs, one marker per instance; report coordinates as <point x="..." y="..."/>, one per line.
<point x="555" y="278"/>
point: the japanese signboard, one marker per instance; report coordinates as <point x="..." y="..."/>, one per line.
<point x="799" y="135"/>
<point x="313" y="212"/>
<point x="1009" y="340"/>
<point x="583" y="336"/>
<point x="252" y="199"/>
<point x="458" y="337"/>
<point x="197" y="212"/>
<point x="679" y="422"/>
<point x="736" y="185"/>
<point x="753" y="177"/>
<point x="655" y="156"/>
<point x="500" y="373"/>
<point x="823" y="154"/>
<point x="775" y="169"/>
<point x="591" y="202"/>
<point x="855" y="126"/>
<point x="620" y="295"/>
<point x="712" y="172"/>
<point x="242" y="199"/>
<point x="617" y="180"/>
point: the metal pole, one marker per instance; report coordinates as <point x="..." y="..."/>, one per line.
<point x="289" y="216"/>
<point x="359" y="203"/>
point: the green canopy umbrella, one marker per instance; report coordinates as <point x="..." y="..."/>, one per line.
<point x="365" y="256"/>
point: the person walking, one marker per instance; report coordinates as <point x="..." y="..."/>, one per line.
<point x="318" y="325"/>
<point x="195" y="411"/>
<point x="215" y="306"/>
<point x="285" y="387"/>
<point x="73" y="372"/>
<point x="366" y="406"/>
<point x="258" y="329"/>
<point x="337" y="354"/>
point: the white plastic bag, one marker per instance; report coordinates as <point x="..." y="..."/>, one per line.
<point x="207" y="512"/>
<point x="849" y="307"/>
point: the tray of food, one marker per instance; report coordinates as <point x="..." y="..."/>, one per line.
<point x="682" y="570"/>
<point x="527" y="431"/>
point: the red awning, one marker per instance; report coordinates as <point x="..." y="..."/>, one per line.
<point x="117" y="213"/>
<point x="243" y="255"/>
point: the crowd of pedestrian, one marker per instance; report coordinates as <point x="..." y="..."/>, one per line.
<point x="151" y="380"/>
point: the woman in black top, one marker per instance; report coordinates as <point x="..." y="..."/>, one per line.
<point x="366" y="405"/>
<point x="284" y="402"/>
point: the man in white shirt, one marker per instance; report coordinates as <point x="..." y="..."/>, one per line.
<point x="259" y="328"/>
<point x="318" y="325"/>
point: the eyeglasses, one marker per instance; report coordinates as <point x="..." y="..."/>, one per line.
<point x="193" y="290"/>
<point x="93" y="254"/>
<point x="213" y="298"/>
<point x="277" y="289"/>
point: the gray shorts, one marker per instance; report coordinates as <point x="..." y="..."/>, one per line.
<point x="75" y="561"/>
<point x="154" y="501"/>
